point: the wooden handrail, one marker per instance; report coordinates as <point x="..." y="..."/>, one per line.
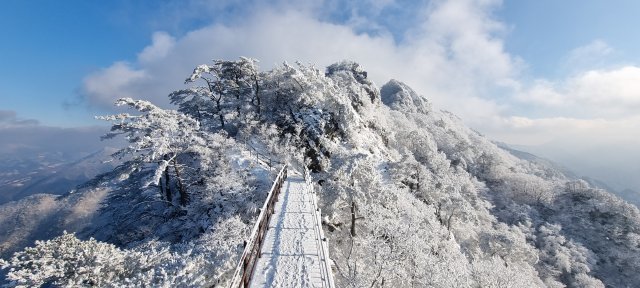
<point x="244" y="270"/>
<point x="323" y="242"/>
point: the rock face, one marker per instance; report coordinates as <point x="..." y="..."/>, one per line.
<point x="347" y="71"/>
<point x="401" y="97"/>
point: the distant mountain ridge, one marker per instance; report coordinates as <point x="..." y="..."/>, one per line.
<point x="627" y="194"/>
<point x="50" y="173"/>
<point x="537" y="159"/>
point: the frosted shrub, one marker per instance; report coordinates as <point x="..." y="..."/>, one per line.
<point x="68" y="261"/>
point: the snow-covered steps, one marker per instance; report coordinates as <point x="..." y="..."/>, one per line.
<point x="293" y="253"/>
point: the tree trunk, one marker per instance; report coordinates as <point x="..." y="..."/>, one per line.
<point x="167" y="185"/>
<point x="255" y="79"/>
<point x="184" y="196"/>
<point x="238" y="95"/>
<point x="221" y="120"/>
<point x="213" y="91"/>
<point x="220" y="114"/>
<point x="449" y="221"/>
<point x="438" y="213"/>
<point x="453" y="214"/>
<point x="417" y="178"/>
<point x="161" y="187"/>
<point x="353" y="218"/>
<point x="219" y="107"/>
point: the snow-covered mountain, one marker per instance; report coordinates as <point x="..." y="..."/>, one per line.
<point x="436" y="203"/>
<point x="50" y="173"/>
<point x="619" y="179"/>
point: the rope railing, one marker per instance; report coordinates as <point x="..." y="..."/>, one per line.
<point x="323" y="242"/>
<point x="244" y="270"/>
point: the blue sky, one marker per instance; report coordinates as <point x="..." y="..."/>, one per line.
<point x="73" y="38"/>
<point x="49" y="46"/>
<point x="544" y="73"/>
<point x="543" y="31"/>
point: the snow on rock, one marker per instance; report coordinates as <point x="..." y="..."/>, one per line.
<point x="399" y="96"/>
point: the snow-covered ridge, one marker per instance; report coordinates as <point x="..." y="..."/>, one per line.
<point x="410" y="196"/>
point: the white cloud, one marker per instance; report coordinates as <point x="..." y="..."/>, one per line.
<point x="544" y="93"/>
<point x="103" y="87"/>
<point x="451" y="66"/>
<point x="28" y="138"/>
<point x="589" y="56"/>
<point x="605" y="149"/>
<point x="597" y="48"/>
<point x="617" y="89"/>
<point x="572" y="132"/>
<point x="162" y="43"/>
<point x="606" y="93"/>
<point x="10" y="119"/>
<point x="455" y="56"/>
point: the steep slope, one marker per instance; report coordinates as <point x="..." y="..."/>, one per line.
<point x="44" y="216"/>
<point x="411" y="196"/>
<point x="38" y="212"/>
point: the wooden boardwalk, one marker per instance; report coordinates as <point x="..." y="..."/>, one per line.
<point x="292" y="254"/>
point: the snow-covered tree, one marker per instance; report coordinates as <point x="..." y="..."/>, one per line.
<point x="158" y="140"/>
<point x="411" y="196"/>
<point x="232" y="93"/>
